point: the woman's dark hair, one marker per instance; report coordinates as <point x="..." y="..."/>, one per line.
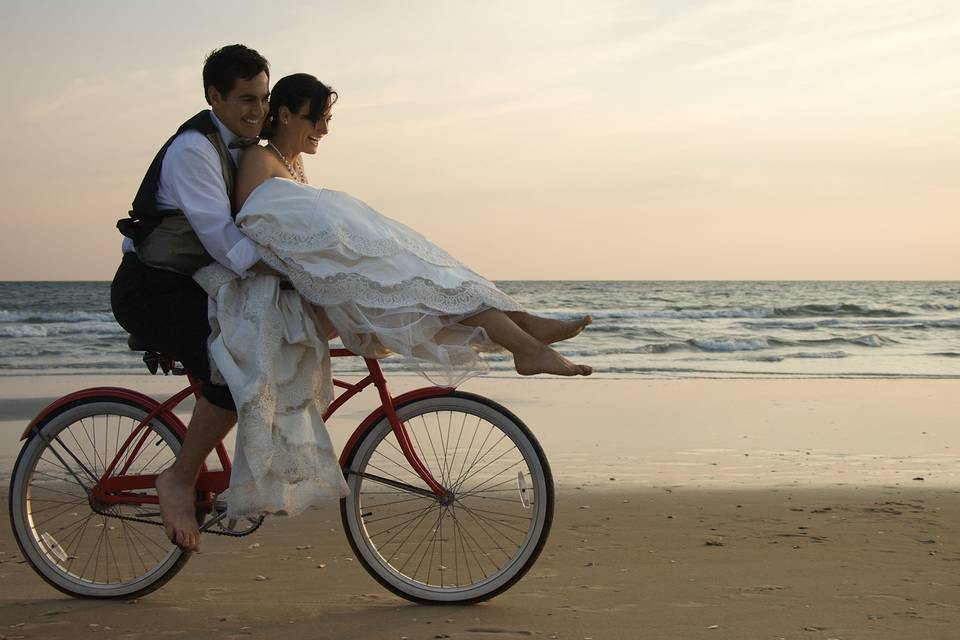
<point x="224" y="66"/>
<point x="293" y="92"/>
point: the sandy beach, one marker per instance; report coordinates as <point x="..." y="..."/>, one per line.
<point x="685" y="509"/>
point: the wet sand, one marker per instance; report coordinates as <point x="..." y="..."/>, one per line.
<point x="685" y="509"/>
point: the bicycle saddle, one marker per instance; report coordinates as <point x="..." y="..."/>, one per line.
<point x="137" y="343"/>
<point x="153" y="357"/>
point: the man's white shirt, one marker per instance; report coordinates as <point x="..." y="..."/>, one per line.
<point x="191" y="179"/>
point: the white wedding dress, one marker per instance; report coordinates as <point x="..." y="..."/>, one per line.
<point x="384" y="287"/>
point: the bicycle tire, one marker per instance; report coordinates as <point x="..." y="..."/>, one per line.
<point x="519" y="544"/>
<point x="54" y="544"/>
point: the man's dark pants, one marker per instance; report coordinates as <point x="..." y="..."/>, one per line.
<point x="169" y="311"/>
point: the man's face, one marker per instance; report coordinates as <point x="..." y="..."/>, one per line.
<point x="245" y="107"/>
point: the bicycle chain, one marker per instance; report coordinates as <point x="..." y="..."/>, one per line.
<point x="232" y="534"/>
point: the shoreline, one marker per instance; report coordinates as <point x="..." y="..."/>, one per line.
<point x="678" y="432"/>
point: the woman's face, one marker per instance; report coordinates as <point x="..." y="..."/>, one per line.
<point x="304" y="132"/>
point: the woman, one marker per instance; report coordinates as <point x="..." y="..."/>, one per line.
<point x="383" y="286"/>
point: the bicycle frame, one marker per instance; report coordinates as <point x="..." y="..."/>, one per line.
<point x="117" y="487"/>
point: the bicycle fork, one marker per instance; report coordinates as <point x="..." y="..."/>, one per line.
<point x="436" y="490"/>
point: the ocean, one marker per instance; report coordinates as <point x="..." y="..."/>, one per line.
<point x="646" y="329"/>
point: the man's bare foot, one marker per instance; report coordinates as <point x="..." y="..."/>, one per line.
<point x="546" y="360"/>
<point x="550" y="330"/>
<point x="177" y="510"/>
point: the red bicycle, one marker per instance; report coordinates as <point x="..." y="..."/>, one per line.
<point x="451" y="497"/>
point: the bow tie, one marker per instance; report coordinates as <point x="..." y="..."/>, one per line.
<point x="242" y="143"/>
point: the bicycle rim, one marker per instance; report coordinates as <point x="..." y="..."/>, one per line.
<point x="78" y="545"/>
<point x="486" y="538"/>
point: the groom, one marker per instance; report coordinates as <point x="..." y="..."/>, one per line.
<point x="182" y="219"/>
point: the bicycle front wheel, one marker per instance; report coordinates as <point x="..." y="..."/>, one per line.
<point x="78" y="545"/>
<point x="471" y="546"/>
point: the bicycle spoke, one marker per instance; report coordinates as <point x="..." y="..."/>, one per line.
<point x="393" y="515"/>
<point x="381" y="505"/>
<point x="387" y="473"/>
<point x="143" y="537"/>
<point x="412" y="530"/>
<point x="496" y="513"/>
<point x="69" y="469"/>
<point x="467" y="545"/>
<point x="419" y="449"/>
<point x="492" y="488"/>
<point x="80" y="449"/>
<point x="445" y="445"/>
<point x="433" y="540"/>
<point x="473" y="437"/>
<point x="54" y="516"/>
<point x="477" y="496"/>
<point x="477" y="460"/>
<point x="146" y="464"/>
<point x="60" y="479"/>
<point x="480" y="453"/>
<point x="71" y="556"/>
<point x="496" y="544"/>
<point x="477" y="487"/>
<point x="96" y="454"/>
<point x="127" y="536"/>
<point x="430" y="439"/>
<point x="55" y="503"/>
<point x="476" y="545"/>
<point x="402" y="525"/>
<point x="67" y="533"/>
<point x="116" y="441"/>
<point x="480" y="516"/>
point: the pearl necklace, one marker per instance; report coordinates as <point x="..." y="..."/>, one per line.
<point x="295" y="170"/>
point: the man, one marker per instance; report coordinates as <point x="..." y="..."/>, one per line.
<point x="182" y="219"/>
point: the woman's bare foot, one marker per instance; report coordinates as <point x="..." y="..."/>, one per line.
<point x="549" y="330"/>
<point x="546" y="360"/>
<point x="177" y="510"/>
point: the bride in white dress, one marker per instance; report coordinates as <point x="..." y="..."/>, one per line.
<point x="379" y="285"/>
<point x="382" y="286"/>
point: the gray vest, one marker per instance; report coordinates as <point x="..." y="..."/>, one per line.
<point x="164" y="238"/>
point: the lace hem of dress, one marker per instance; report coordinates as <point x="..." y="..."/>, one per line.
<point x="293" y="243"/>
<point x="260" y="227"/>
<point x="467" y="298"/>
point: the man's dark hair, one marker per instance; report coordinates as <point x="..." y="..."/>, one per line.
<point x="224" y="66"/>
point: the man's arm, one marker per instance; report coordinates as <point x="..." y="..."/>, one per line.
<point x="191" y="180"/>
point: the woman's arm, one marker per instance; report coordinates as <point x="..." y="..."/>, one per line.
<point x="257" y="164"/>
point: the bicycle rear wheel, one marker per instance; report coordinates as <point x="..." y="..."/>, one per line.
<point x="78" y="545"/>
<point x="487" y="535"/>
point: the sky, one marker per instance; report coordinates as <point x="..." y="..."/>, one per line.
<point x="637" y="140"/>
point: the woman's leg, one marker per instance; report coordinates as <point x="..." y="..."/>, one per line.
<point x="549" y="330"/>
<point x="530" y="355"/>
